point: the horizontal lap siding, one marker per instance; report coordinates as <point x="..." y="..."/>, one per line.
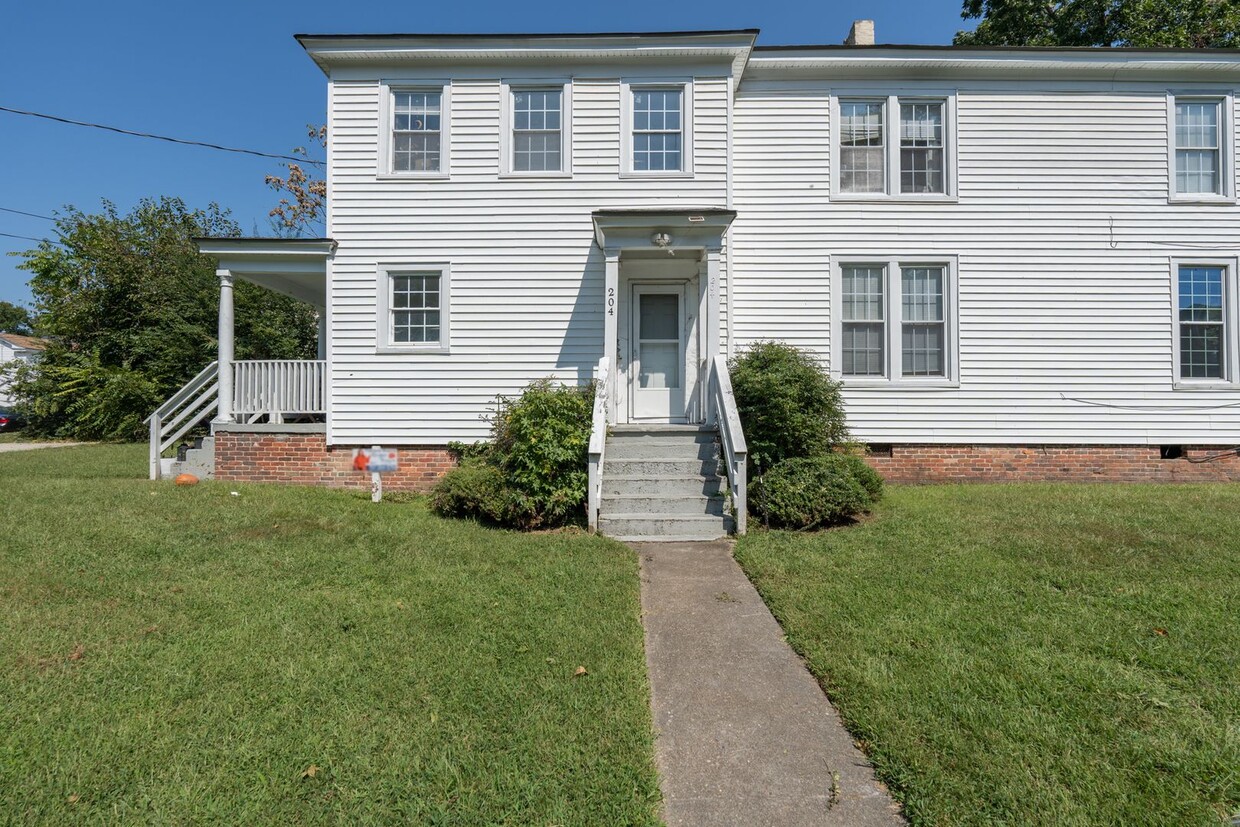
<point x="526" y="280"/>
<point x="1064" y="237"/>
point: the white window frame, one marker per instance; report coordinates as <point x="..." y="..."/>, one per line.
<point x="1227" y="169"/>
<point x="627" y="87"/>
<point x="385" y="341"/>
<point x="387" y="106"/>
<point x="893" y="376"/>
<point x="508" y="87"/>
<point x="891" y="101"/>
<point x="1231" y="317"/>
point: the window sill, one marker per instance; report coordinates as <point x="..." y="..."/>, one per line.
<point x="397" y="350"/>
<point x="412" y="176"/>
<point x="898" y="384"/>
<point x="1203" y="200"/>
<point x="535" y="176"/>
<point x="845" y="198"/>
<point x="1205" y="385"/>
<point x="658" y="176"/>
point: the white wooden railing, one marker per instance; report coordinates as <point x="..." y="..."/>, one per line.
<point x="598" y="438"/>
<point x="722" y="410"/>
<point x="278" y="388"/>
<point x="193" y="403"/>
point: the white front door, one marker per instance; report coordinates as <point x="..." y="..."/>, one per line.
<point x="658" y="360"/>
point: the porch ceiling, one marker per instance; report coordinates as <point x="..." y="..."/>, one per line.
<point x="688" y="227"/>
<point x="295" y="267"/>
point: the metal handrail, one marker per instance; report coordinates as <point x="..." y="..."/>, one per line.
<point x="598" y="439"/>
<point x="731" y="437"/>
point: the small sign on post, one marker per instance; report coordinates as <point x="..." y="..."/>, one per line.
<point x="376" y="461"/>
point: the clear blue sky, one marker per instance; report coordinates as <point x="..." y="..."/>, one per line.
<point x="229" y="72"/>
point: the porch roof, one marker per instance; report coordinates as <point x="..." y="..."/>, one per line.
<point x="296" y="267"/>
<point x="686" y="226"/>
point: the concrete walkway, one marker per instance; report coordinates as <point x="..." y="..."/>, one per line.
<point x="6" y="447"/>
<point x="745" y="736"/>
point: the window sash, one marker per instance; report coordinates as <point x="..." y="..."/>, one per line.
<point x="658" y="129"/>
<point x="893" y="146"/>
<point x="864" y="312"/>
<point x="414" y="308"/>
<point x="895" y="320"/>
<point x="863" y="156"/>
<point x="417" y="129"/>
<point x="922" y="147"/>
<point x="537" y="130"/>
<point x="1201" y="313"/>
<point x="1198" y="141"/>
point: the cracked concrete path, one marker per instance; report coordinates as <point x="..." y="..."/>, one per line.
<point x="745" y="736"/>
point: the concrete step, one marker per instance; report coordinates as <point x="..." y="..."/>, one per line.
<point x="653" y="428"/>
<point x="690" y="485"/>
<point x="659" y="467"/>
<point x="640" y="526"/>
<point x="198" y="461"/>
<point x="647" y="448"/>
<point x="690" y="506"/>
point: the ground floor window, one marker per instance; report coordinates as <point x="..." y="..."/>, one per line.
<point x="413" y="307"/>
<point x="1204" y="299"/>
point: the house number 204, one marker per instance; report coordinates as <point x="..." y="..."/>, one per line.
<point x="611" y="301"/>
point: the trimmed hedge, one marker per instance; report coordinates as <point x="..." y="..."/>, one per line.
<point x="815" y="492"/>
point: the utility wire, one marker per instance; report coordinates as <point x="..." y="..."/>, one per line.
<point x="23" y="212"/>
<point x="117" y="129"/>
<point x="29" y="238"/>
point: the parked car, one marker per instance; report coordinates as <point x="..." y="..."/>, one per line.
<point x="10" y="420"/>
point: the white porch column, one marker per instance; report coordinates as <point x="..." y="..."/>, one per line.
<point x="322" y="343"/>
<point x="611" y="307"/>
<point x="227" y="348"/>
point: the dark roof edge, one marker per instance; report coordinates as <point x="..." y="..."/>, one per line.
<point x="939" y="47"/>
<point x="665" y="211"/>
<point x="262" y="239"/>
<point x="301" y="38"/>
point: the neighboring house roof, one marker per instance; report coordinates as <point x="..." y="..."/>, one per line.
<point x="17" y="340"/>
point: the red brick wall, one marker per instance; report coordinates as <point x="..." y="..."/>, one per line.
<point x="305" y="459"/>
<point x="1066" y="463"/>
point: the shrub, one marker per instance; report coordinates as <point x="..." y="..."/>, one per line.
<point x="814" y="492"/>
<point x="534" y="472"/>
<point x="789" y="406"/>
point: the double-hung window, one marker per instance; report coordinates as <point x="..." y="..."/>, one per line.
<point x="658" y="134"/>
<point x="413" y="307"/>
<point x="1199" y="151"/>
<point x="417" y="131"/>
<point x="1204" y="299"/>
<point x="538" y="122"/>
<point x="895" y="320"/>
<point x="893" y="146"/>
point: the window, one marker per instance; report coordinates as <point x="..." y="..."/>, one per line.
<point x="1202" y="310"/>
<point x="895" y="321"/>
<point x="538" y="130"/>
<point x="1198" y="146"/>
<point x="416" y="139"/>
<point x="893" y="146"/>
<point x="658" y="129"/>
<point x="413" y="307"/>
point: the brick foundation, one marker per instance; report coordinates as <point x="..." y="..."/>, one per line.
<point x="1052" y="463"/>
<point x="305" y="459"/>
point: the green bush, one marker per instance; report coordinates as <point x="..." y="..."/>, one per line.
<point x="789" y="406"/>
<point x="533" y="473"/>
<point x="815" y="492"/>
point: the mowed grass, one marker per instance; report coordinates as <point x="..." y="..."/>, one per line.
<point x="1029" y="654"/>
<point x="303" y="656"/>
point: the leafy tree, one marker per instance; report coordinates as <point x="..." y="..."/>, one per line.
<point x="303" y="214"/>
<point x="130" y="310"/>
<point x="1145" y="23"/>
<point x="15" y="319"/>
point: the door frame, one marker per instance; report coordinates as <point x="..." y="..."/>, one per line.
<point x="688" y="380"/>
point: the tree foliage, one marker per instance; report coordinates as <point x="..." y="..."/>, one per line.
<point x="129" y="308"/>
<point x="300" y="211"/>
<point x="1143" y="23"/>
<point x="15" y="319"/>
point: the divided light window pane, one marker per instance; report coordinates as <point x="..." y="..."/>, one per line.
<point x="1202" y="322"/>
<point x="416" y="131"/>
<point x="922" y="321"/>
<point x="536" y="130"/>
<point x="1197" y="147"/>
<point x="658" y="130"/>
<point x="921" y="147"/>
<point x="863" y="321"/>
<point x="415" y="308"/>
<point x="862" y="159"/>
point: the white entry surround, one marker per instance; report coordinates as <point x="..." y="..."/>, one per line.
<point x="663" y="267"/>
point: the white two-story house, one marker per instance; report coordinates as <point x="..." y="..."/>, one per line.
<point x="15" y="349"/>
<point x="1020" y="263"/>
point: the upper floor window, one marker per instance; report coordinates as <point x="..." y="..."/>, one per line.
<point x="537" y="130"/>
<point x="1205" y="342"/>
<point x="417" y="134"/>
<point x="658" y="136"/>
<point x="893" y="146"/>
<point x="895" y="321"/>
<point x="1199" y="147"/>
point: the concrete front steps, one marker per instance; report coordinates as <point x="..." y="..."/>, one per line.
<point x="661" y="482"/>
<point x="199" y="460"/>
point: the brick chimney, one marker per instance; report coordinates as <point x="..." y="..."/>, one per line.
<point x="861" y="33"/>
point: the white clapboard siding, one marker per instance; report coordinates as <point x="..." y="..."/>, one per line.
<point x="526" y="278"/>
<point x="1063" y="236"/>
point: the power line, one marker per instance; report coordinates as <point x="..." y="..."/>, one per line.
<point x="184" y="141"/>
<point x="23" y="212"/>
<point x="29" y="238"/>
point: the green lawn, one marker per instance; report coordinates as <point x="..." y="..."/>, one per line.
<point x="1029" y="654"/>
<point x="183" y="655"/>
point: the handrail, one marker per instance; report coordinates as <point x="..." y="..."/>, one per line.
<point x="731" y="437"/>
<point x="194" y="402"/>
<point x="598" y="439"/>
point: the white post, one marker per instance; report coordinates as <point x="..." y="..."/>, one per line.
<point x="712" y="301"/>
<point x="322" y="351"/>
<point x="227" y="347"/>
<point x="611" y="309"/>
<point x="157" y="436"/>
